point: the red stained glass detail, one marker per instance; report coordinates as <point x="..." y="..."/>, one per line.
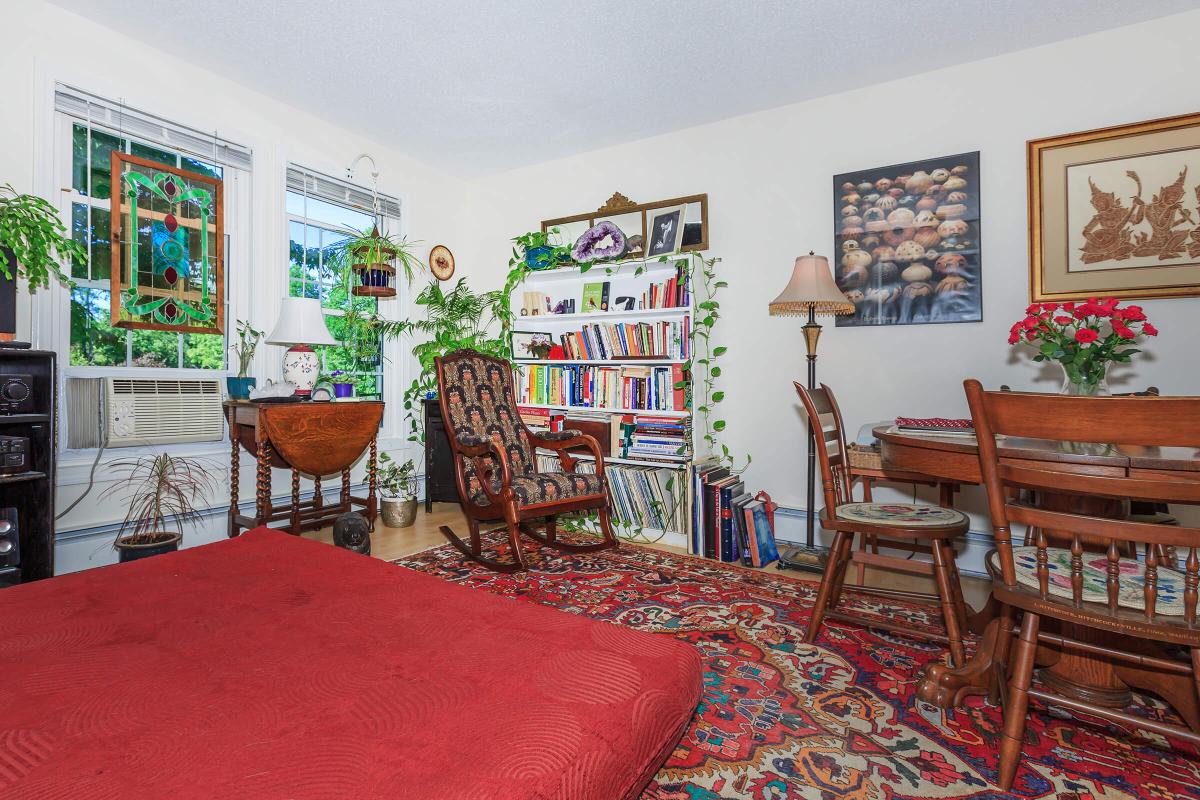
<point x="170" y="222"/>
<point x="170" y="311"/>
<point x="169" y="188"/>
<point x="171" y="275"/>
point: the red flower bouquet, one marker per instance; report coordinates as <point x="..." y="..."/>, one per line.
<point x="1084" y="338"/>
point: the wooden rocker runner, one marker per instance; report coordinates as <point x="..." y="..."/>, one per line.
<point x="495" y="463"/>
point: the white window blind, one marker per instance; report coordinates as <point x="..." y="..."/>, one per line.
<point x="304" y="181"/>
<point x="116" y="116"/>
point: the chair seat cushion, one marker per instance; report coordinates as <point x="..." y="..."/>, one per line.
<point x="1095" y="579"/>
<point x="903" y="515"/>
<point x="544" y="487"/>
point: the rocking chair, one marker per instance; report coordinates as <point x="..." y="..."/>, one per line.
<point x="495" y="465"/>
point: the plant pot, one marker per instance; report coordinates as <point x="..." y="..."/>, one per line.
<point x="239" y="388"/>
<point x="343" y="390"/>
<point x="155" y="544"/>
<point x="397" y="512"/>
<point x="375" y="280"/>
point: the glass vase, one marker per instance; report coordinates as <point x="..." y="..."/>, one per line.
<point x="1096" y="387"/>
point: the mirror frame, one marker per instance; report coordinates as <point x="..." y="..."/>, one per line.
<point x="619" y="204"/>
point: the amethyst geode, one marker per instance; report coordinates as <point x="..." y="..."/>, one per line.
<point x="601" y="241"/>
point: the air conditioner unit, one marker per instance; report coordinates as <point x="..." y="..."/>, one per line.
<point x="130" y="412"/>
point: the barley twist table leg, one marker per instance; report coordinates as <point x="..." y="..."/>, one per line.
<point x="235" y="474"/>
<point x="346" y="489"/>
<point x="372" y="476"/>
<point x="318" y="500"/>
<point x="263" y="484"/>
<point x="296" y="502"/>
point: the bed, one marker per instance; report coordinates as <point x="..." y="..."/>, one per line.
<point x="270" y="666"/>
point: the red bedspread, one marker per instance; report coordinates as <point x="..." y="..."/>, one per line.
<point x="275" y="667"/>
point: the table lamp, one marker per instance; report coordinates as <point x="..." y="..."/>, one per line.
<point x="301" y="324"/>
<point x="811" y="291"/>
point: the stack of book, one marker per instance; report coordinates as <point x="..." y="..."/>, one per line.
<point x="655" y="438"/>
<point x="728" y="522"/>
<point x="675" y="293"/>
<point x="537" y="418"/>
<point x="603" y="342"/>
<point x="634" y="388"/>
<point x="641" y="497"/>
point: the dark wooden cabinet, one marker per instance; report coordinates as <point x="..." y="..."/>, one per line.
<point x="27" y="409"/>
<point x="439" y="461"/>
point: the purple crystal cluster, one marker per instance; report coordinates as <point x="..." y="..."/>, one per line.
<point x="602" y="241"/>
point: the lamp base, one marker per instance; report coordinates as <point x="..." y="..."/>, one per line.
<point x="804" y="558"/>
<point x="301" y="366"/>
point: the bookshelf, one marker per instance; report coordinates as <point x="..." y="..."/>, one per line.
<point x="650" y="495"/>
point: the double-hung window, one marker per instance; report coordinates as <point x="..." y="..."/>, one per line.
<point x="94" y="128"/>
<point x="323" y="212"/>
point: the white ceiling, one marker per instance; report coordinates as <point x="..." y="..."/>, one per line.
<point x="481" y="86"/>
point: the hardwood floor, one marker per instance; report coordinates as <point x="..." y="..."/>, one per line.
<point x="392" y="543"/>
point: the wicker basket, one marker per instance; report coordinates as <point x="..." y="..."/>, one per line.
<point x="861" y="457"/>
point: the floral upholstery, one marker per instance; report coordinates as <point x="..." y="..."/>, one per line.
<point x="1095" y="579"/>
<point x="559" y="436"/>
<point x="541" y="487"/>
<point x="908" y="515"/>
<point x="479" y="401"/>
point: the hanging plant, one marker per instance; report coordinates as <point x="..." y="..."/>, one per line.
<point x="33" y="240"/>
<point x="374" y="257"/>
<point x="538" y="251"/>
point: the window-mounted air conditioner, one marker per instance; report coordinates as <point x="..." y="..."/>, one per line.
<point x="130" y="412"/>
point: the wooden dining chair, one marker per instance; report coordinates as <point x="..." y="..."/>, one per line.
<point x="1105" y="591"/>
<point x="905" y="526"/>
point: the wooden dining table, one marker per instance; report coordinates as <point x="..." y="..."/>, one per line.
<point x="1081" y="674"/>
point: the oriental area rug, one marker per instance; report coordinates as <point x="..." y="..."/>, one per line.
<point x="780" y="719"/>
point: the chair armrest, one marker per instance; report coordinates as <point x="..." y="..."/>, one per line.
<point x="562" y="441"/>
<point x="476" y="448"/>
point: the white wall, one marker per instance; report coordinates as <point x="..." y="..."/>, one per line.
<point x="43" y="44"/>
<point x="768" y="178"/>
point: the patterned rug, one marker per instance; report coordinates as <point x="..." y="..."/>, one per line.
<point x="782" y="720"/>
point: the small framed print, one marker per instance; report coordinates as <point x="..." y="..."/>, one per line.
<point x="1116" y="212"/>
<point x="664" y="230"/>
<point x="530" y="345"/>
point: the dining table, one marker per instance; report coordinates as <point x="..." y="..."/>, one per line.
<point x="1081" y="673"/>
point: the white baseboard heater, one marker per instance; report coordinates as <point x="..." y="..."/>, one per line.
<point x="134" y="412"/>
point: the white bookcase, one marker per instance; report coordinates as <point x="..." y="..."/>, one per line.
<point x="626" y="279"/>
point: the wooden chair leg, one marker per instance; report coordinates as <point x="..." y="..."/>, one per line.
<point x="835" y="597"/>
<point x="950" y="610"/>
<point x="514" y="535"/>
<point x="832" y="568"/>
<point x="551" y="528"/>
<point x="606" y="528"/>
<point x="861" y="567"/>
<point x="999" y="681"/>
<point x="960" y="603"/>
<point x="473" y="529"/>
<point x="1016" y="709"/>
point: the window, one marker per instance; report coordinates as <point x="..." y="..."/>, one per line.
<point x="322" y="213"/>
<point x="95" y="128"/>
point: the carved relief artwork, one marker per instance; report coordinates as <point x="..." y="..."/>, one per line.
<point x="1116" y="211"/>
<point x="1139" y="212"/>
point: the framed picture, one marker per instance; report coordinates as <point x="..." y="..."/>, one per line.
<point x="906" y="242"/>
<point x="1116" y="211"/>
<point x="530" y="345"/>
<point x="664" y="230"/>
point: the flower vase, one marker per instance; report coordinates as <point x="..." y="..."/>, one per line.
<point x="1090" y="386"/>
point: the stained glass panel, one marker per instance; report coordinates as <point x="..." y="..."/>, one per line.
<point x="168" y="268"/>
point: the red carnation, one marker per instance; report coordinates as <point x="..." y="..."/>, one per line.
<point x="1082" y="311"/>
<point x="1068" y="306"/>
<point x="1062" y="319"/>
<point x="1086" y="336"/>
<point x="1030" y="335"/>
<point x="1050" y="306"/>
<point x="1013" y="338"/>
<point x="1033" y="308"/>
<point x="1110" y="303"/>
<point x="1029" y="323"/>
<point x="1122" y="330"/>
<point x="1133" y="314"/>
<point x="1149" y="330"/>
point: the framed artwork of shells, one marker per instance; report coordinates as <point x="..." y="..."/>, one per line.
<point x="1116" y="212"/>
<point x="907" y="245"/>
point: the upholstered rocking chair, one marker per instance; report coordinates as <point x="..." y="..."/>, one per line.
<point x="495" y="463"/>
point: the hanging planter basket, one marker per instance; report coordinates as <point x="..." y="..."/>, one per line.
<point x="374" y="273"/>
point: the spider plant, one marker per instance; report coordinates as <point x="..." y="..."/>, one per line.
<point x="374" y="247"/>
<point x="164" y="492"/>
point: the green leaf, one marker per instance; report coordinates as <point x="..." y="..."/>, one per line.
<point x="718" y="397"/>
<point x="715" y="372"/>
<point x="720" y="351"/>
<point x="719" y="425"/>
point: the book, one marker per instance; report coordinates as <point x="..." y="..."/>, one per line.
<point x="711" y="507"/>
<point x="764" y="530"/>
<point x="729" y="487"/>
<point x="592" y="299"/>
<point x="741" y="545"/>
<point x="751" y="533"/>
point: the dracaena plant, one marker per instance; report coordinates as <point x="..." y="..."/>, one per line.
<point x="163" y="492"/>
<point x="1083" y="338"/>
<point x="32" y="234"/>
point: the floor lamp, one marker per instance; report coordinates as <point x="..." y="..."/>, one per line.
<point x="811" y="291"/>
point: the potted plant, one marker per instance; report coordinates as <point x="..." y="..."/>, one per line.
<point x="248" y="339"/>
<point x="343" y="384"/>
<point x="163" y="492"/>
<point x="398" y="492"/>
<point x="1085" y="338"/>
<point x="539" y="252"/>
<point x="34" y="243"/>
<point x="373" y="258"/>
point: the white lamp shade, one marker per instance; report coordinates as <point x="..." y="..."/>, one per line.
<point x="301" y="322"/>
<point x="812" y="287"/>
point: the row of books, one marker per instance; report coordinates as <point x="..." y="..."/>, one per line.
<point x="601" y="342"/>
<point x="728" y="522"/>
<point x="645" y="436"/>
<point x="641" y="497"/>
<point x="640" y="388"/>
<point x="674" y="293"/>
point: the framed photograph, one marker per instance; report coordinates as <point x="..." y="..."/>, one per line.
<point x="906" y="242"/>
<point x="664" y="230"/>
<point x="530" y="345"/>
<point x="1116" y="212"/>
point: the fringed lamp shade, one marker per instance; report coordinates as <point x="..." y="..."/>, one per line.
<point x="811" y="287"/>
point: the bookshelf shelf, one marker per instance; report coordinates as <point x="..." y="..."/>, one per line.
<point x="615" y="269"/>
<point x="643" y="411"/>
<point x="637" y="315"/>
<point x="628" y="462"/>
<point x="620" y="362"/>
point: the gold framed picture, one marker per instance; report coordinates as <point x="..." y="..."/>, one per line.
<point x="1116" y="211"/>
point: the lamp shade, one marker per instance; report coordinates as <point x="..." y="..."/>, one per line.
<point x="812" y="287"/>
<point x="301" y="322"/>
